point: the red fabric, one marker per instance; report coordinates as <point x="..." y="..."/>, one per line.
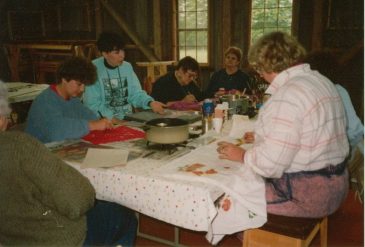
<point x="121" y="133"/>
<point x="185" y="106"/>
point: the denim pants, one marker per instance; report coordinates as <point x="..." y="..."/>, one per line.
<point x="110" y="224"/>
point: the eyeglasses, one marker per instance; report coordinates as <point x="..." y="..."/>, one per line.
<point x="191" y="75"/>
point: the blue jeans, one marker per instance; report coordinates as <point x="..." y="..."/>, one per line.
<point x="110" y="224"/>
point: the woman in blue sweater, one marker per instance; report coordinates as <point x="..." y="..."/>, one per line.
<point x="57" y="113"/>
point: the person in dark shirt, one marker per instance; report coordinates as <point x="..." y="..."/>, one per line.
<point x="179" y="85"/>
<point x="230" y="77"/>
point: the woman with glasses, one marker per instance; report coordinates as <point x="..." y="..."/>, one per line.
<point x="179" y="85"/>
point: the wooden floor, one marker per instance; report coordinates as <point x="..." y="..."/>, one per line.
<point x="345" y="229"/>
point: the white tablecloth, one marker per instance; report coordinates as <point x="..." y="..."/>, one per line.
<point x="165" y="191"/>
<point x="22" y="91"/>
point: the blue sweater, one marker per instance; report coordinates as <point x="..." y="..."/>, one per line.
<point x="354" y="126"/>
<point x="52" y="118"/>
<point x="115" y="91"/>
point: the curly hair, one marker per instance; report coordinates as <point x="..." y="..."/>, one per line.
<point x="234" y="50"/>
<point x="77" y="68"/>
<point x="275" y="52"/>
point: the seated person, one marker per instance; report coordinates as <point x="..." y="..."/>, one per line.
<point x="179" y="85"/>
<point x="231" y="77"/>
<point x="299" y="142"/>
<point x="46" y="202"/>
<point x="57" y="113"/>
<point x="117" y="88"/>
<point x="327" y="64"/>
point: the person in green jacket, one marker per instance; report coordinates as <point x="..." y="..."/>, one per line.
<point x="45" y="202"/>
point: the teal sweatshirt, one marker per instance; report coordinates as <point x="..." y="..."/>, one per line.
<point x="115" y="91"/>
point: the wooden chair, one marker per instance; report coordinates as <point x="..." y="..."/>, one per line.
<point x="154" y="70"/>
<point x="281" y="231"/>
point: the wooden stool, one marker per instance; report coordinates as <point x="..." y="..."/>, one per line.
<point x="286" y="231"/>
<point x="154" y="70"/>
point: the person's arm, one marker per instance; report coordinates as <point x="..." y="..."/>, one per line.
<point x="280" y="136"/>
<point x="195" y="90"/>
<point x="61" y="187"/>
<point x="137" y="97"/>
<point x="354" y="129"/>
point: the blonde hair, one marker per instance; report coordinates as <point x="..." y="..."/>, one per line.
<point x="4" y="104"/>
<point x="275" y="52"/>
<point x="234" y="50"/>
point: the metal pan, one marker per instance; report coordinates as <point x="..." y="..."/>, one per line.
<point x="167" y="130"/>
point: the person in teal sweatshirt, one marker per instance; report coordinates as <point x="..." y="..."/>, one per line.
<point x="57" y="113"/>
<point x="117" y="89"/>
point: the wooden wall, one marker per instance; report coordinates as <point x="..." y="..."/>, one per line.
<point x="332" y="24"/>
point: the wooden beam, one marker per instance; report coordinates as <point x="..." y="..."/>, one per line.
<point x="174" y="30"/>
<point x="226" y="26"/>
<point x="317" y="35"/>
<point x="133" y="35"/>
<point x="157" y="28"/>
<point x="97" y="18"/>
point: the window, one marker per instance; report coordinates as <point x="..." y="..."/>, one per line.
<point x="192" y="25"/>
<point x="270" y="15"/>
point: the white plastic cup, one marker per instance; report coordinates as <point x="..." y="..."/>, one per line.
<point x="217" y="123"/>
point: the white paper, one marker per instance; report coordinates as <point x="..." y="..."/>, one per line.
<point x="96" y="157"/>
<point x="241" y="125"/>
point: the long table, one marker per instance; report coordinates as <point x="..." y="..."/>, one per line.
<point x="217" y="197"/>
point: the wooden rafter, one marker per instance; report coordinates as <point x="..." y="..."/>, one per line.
<point x="133" y="35"/>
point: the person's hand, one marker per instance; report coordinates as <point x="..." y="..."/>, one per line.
<point x="229" y="151"/>
<point x="3" y="123"/>
<point x="249" y="137"/>
<point x="101" y="124"/>
<point x="116" y="121"/>
<point x="190" y="98"/>
<point x="158" y="107"/>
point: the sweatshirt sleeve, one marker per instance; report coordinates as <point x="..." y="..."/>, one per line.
<point x="61" y="187"/>
<point x="137" y="97"/>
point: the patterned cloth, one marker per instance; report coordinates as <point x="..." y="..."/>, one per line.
<point x="301" y="127"/>
<point x="288" y="195"/>
<point x="300" y="130"/>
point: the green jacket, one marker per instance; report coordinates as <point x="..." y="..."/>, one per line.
<point x="43" y="200"/>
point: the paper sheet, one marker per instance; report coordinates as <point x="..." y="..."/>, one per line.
<point x="96" y="157"/>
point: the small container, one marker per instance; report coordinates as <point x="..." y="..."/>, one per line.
<point x="207" y="124"/>
<point x="208" y="108"/>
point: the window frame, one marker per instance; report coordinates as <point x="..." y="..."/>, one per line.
<point x="207" y="29"/>
<point x="294" y="22"/>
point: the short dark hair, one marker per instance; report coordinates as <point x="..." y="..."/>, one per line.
<point x="188" y="63"/>
<point x="77" y="68"/>
<point x="109" y="41"/>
